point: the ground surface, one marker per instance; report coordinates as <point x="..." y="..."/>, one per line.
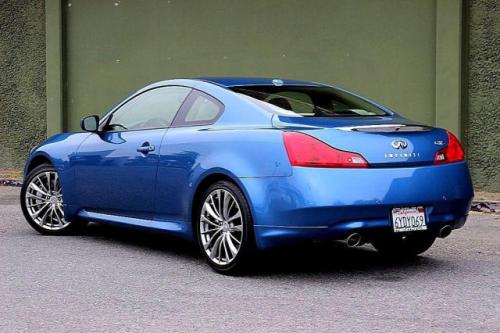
<point x="110" y="279"/>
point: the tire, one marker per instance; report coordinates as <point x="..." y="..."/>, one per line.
<point x="404" y="247"/>
<point x="42" y="203"/>
<point x="218" y="231"/>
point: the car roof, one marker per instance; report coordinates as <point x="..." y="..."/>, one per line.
<point x="229" y="81"/>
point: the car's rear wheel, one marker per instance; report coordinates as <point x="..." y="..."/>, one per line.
<point x="224" y="228"/>
<point x="42" y="202"/>
<point x="404" y="247"/>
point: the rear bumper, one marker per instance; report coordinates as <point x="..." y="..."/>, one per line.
<point x="316" y="203"/>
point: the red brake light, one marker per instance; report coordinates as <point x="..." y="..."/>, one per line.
<point x="453" y="152"/>
<point x="304" y="150"/>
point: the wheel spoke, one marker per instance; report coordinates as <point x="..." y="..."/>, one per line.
<point x="34" y="196"/>
<point x="61" y="210"/>
<point x="211" y="212"/>
<point x="234" y="217"/>
<point x="36" y="213"/>
<point x="52" y="217"/>
<point x="219" y="249"/>
<point x="219" y="201"/>
<point x="44" y="217"/>
<point x="204" y="219"/>
<point x="37" y="189"/>
<point x="40" y="182"/>
<point x="236" y="228"/>
<point x="56" y="182"/>
<point x="213" y="205"/>
<point x="224" y="241"/>
<point x="230" y="244"/>
<point x="56" y="213"/>
<point x="36" y="204"/>
<point x="47" y="175"/>
<point x="235" y="239"/>
<point x="225" y="206"/>
<point x="209" y="231"/>
<point x="231" y="207"/>
<point x="216" y="246"/>
<point x="214" y="236"/>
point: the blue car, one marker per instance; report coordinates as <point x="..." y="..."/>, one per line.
<point x="246" y="164"/>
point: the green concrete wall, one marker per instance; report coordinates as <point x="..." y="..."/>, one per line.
<point x="383" y="49"/>
<point x="403" y="53"/>
<point x="22" y="79"/>
<point x="483" y="133"/>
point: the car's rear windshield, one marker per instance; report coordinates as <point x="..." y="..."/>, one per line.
<point x="308" y="101"/>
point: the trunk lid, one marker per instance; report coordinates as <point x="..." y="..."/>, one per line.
<point x="386" y="141"/>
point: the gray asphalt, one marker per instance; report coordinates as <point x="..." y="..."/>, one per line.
<point x="121" y="280"/>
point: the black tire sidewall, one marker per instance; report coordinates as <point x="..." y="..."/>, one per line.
<point x="248" y="244"/>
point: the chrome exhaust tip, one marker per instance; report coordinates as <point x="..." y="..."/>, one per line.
<point x="354" y="239"/>
<point x="445" y="231"/>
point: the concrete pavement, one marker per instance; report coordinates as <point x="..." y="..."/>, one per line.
<point x="119" y="280"/>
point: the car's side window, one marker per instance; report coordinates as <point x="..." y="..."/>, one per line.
<point x="199" y="109"/>
<point x="154" y="108"/>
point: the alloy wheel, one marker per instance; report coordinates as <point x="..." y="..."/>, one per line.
<point x="44" y="201"/>
<point x="221" y="227"/>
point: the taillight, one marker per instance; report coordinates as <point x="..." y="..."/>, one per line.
<point x="453" y="152"/>
<point x="304" y="150"/>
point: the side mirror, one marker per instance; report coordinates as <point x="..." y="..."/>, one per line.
<point x="90" y="124"/>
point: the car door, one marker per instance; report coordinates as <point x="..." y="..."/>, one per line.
<point x="116" y="168"/>
<point x="180" y="155"/>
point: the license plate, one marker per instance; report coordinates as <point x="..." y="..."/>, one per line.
<point x="408" y="219"/>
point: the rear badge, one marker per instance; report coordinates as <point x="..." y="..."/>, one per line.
<point x="399" y="144"/>
<point x="278" y="82"/>
<point x="401" y="155"/>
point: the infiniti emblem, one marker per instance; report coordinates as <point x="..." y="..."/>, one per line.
<point x="399" y="144"/>
<point x="278" y="82"/>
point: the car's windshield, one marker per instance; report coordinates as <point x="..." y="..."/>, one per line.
<point x="309" y="101"/>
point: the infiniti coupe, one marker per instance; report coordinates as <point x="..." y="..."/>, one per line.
<point x="245" y="164"/>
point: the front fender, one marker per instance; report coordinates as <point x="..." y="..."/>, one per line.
<point x="59" y="150"/>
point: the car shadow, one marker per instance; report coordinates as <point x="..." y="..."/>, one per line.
<point x="336" y="258"/>
<point x="331" y="258"/>
<point x="143" y="238"/>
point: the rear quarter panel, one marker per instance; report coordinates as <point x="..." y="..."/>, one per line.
<point x="189" y="155"/>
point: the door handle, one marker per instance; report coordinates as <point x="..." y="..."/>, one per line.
<point x="146" y="148"/>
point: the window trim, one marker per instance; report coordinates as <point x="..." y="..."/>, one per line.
<point x="179" y="120"/>
<point x="105" y="120"/>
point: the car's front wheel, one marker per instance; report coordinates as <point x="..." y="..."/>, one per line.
<point x="404" y="247"/>
<point x="42" y="202"/>
<point x="224" y="228"/>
